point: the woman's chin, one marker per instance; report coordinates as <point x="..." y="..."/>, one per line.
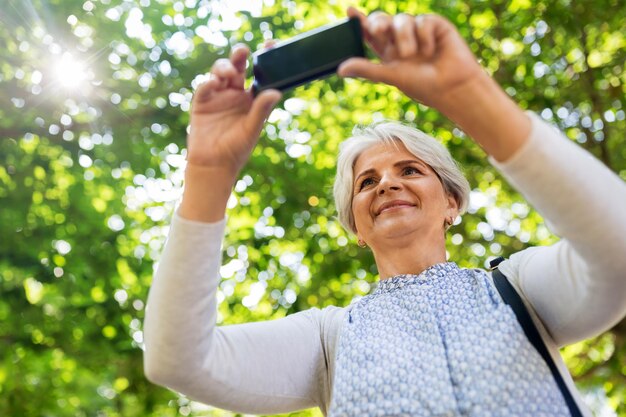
<point x="396" y="228"/>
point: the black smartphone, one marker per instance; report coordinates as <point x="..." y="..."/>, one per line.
<point x="308" y="56"/>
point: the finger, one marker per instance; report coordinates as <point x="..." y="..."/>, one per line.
<point x="404" y="35"/>
<point x="239" y="57"/>
<point x="364" y="68"/>
<point x="355" y="13"/>
<point x="223" y="68"/>
<point x="225" y="71"/>
<point x="261" y="108"/>
<point x="379" y="27"/>
<point x="206" y="89"/>
<point x="425" y="27"/>
<point x="269" y="43"/>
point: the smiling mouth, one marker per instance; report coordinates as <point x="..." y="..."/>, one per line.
<point x="394" y="206"/>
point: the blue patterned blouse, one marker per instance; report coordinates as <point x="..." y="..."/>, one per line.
<point x="442" y="343"/>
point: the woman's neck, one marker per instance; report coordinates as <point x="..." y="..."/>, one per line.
<point x="407" y="255"/>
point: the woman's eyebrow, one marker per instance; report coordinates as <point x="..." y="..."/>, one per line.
<point x="366" y="172"/>
<point x="397" y="164"/>
<point x="408" y="162"/>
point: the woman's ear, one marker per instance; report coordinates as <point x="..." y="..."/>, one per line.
<point x="354" y="229"/>
<point x="453" y="206"/>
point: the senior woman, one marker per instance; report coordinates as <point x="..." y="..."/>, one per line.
<point x="432" y="339"/>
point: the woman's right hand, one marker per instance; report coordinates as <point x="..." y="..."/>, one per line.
<point x="225" y="124"/>
<point x="226" y="120"/>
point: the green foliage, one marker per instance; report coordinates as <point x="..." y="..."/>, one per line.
<point x="91" y="159"/>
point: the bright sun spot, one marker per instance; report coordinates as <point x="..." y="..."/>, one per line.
<point x="70" y="72"/>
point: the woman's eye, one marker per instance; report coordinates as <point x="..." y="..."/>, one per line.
<point x="366" y="182"/>
<point x="410" y="171"/>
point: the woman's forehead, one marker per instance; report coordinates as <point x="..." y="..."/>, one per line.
<point x="385" y="152"/>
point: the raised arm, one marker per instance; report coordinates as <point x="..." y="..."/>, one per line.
<point x="578" y="286"/>
<point x="265" y="367"/>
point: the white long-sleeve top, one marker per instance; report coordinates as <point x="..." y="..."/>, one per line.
<point x="575" y="289"/>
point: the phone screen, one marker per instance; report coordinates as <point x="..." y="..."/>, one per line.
<point x="309" y="56"/>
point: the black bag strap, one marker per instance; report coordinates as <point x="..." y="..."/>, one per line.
<point x="512" y="298"/>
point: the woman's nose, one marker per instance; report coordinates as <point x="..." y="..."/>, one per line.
<point x="388" y="183"/>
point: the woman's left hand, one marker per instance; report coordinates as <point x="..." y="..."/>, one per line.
<point x="424" y="56"/>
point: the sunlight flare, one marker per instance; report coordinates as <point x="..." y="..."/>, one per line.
<point x="70" y="72"/>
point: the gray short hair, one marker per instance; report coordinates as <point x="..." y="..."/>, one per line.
<point x="423" y="146"/>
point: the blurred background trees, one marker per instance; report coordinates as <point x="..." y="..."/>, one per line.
<point x="92" y="145"/>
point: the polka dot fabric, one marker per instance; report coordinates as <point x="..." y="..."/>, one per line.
<point x="442" y="343"/>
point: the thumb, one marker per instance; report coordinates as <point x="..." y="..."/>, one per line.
<point x="364" y="68"/>
<point x="262" y="106"/>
